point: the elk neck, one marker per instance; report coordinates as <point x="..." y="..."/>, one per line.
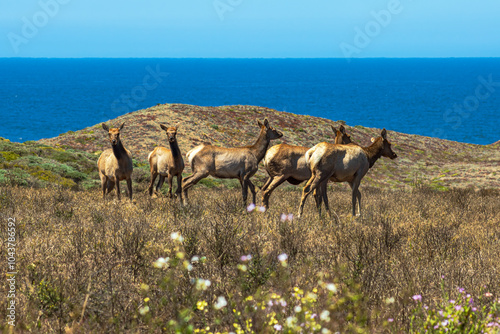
<point x="260" y="147"/>
<point x="119" y="150"/>
<point x="374" y="151"/>
<point x="174" y="148"/>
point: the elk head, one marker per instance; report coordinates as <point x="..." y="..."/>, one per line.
<point x="271" y="133"/>
<point x="170" y="131"/>
<point x="113" y="133"/>
<point x="341" y="137"/>
<point x="386" y="145"/>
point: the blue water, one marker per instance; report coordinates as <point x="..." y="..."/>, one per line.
<point x="42" y="98"/>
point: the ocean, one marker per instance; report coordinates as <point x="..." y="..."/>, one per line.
<point x="451" y="98"/>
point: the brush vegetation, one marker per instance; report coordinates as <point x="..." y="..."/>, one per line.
<point x="151" y="265"/>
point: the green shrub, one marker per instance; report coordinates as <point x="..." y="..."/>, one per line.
<point x="9" y="156"/>
<point x="15" y="176"/>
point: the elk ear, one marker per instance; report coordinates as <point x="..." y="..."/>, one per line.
<point x="176" y="126"/>
<point x="121" y="126"/>
<point x="342" y="129"/>
<point x="266" y="123"/>
<point x="259" y="123"/>
<point x="334" y="130"/>
<point x="163" y="127"/>
<point x="384" y="134"/>
<point x="105" y="127"/>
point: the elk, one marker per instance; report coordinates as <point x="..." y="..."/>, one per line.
<point x="236" y="163"/>
<point x="167" y="163"/>
<point x="115" y="164"/>
<point x="344" y="163"/>
<point x="285" y="162"/>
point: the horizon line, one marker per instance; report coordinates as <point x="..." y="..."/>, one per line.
<point x="333" y="58"/>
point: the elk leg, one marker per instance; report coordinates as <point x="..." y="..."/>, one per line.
<point x="170" y="179"/>
<point x="244" y="190"/>
<point x="311" y="185"/>
<point x="161" y="180"/>
<point x="318" y="197"/>
<point x="252" y="189"/>
<point x="178" y="191"/>
<point x="321" y="196"/>
<point x="359" y="201"/>
<point x="191" y="181"/>
<point x="356" y="195"/>
<point x="267" y="183"/>
<point x="118" y="189"/>
<point x="129" y="188"/>
<point x="266" y="193"/>
<point x="154" y="174"/>
<point x="110" y="186"/>
<point x="104" y="183"/>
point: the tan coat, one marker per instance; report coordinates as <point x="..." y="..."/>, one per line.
<point x="285" y="162"/>
<point x="167" y="163"/>
<point x="235" y="163"/>
<point x="115" y="164"/>
<point x="343" y="163"/>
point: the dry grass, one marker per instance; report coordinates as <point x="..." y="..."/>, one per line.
<point x="72" y="246"/>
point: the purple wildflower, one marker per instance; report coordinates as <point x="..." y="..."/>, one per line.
<point x="246" y="258"/>
<point x="417" y="297"/>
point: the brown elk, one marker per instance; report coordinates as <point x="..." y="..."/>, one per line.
<point x="167" y="163"/>
<point x="236" y="163"/>
<point x="285" y="162"/>
<point x="115" y="164"/>
<point x="344" y="163"/>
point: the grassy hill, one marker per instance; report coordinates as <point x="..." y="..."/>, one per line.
<point x="438" y="163"/>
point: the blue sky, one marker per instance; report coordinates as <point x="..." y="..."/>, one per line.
<point x="250" y="28"/>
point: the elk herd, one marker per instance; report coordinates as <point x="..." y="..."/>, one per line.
<point x="341" y="161"/>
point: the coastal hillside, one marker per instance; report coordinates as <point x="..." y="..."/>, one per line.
<point x="440" y="164"/>
<point x="415" y="259"/>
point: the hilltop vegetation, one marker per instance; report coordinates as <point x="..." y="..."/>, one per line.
<point x="36" y="165"/>
<point x="438" y="163"/>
